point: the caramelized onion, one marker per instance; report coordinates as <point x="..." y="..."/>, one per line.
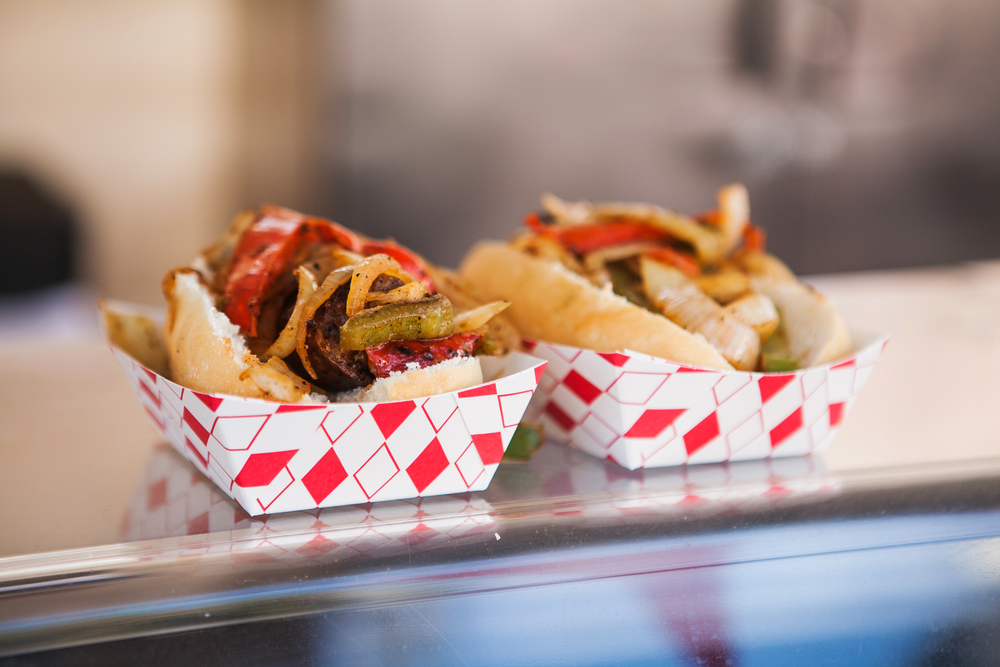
<point x="330" y="259"/>
<point x="734" y="215"/>
<point x="409" y="292"/>
<point x="364" y="275"/>
<point x="285" y="344"/>
<point x="471" y="320"/>
<point x="277" y="381"/>
<point x="336" y="278"/>
<point x="679" y="299"/>
<point x="758" y="312"/>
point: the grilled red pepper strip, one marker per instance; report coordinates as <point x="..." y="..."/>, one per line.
<point x="710" y="217"/>
<point x="533" y="221"/>
<point x="341" y="235"/>
<point x="411" y="262"/>
<point x="265" y="252"/>
<point x="687" y="264"/>
<point x="395" y="356"/>
<point x="754" y="238"/>
<point x="582" y="239"/>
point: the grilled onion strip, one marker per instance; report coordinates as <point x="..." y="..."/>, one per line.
<point x="336" y="278"/>
<point x="409" y="292"/>
<point x="285" y="344"/>
<point x="756" y="311"/>
<point x="686" y="305"/>
<point x="470" y="320"/>
<point x="365" y="274"/>
<point x="277" y="381"/>
<point x="724" y="286"/>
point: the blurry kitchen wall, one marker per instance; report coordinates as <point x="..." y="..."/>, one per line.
<point x="868" y="131"/>
<point x="156" y="121"/>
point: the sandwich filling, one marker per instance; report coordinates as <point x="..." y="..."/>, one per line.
<point x="694" y="270"/>
<point x="333" y="310"/>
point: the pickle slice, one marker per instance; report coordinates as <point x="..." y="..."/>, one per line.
<point x="414" y="320"/>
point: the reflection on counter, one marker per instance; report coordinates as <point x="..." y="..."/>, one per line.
<point x="557" y="470"/>
<point x="573" y="560"/>
<point x="173" y="500"/>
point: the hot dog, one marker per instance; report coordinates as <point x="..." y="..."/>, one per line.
<point x="700" y="290"/>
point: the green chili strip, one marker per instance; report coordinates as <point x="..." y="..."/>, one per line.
<point x="414" y="320"/>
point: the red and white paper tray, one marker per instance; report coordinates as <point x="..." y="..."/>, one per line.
<point x="274" y="457"/>
<point x="641" y="411"/>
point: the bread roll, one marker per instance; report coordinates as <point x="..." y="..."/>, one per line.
<point x="551" y="303"/>
<point x="207" y="352"/>
<point x="451" y="375"/>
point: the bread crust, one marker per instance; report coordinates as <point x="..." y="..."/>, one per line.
<point x="428" y="381"/>
<point x="206" y="350"/>
<point x="551" y="303"/>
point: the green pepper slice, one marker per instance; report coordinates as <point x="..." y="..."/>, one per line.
<point x="413" y="320"/>
<point x="524" y="443"/>
<point x="778" y="364"/>
<point x="627" y="284"/>
<point x="775" y="356"/>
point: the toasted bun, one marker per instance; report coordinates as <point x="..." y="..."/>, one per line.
<point x="551" y="303"/>
<point x="136" y="333"/>
<point x="451" y="375"/>
<point x="207" y="352"/>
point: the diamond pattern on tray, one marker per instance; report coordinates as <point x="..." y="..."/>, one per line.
<point x="489" y="446"/>
<point x="261" y="469"/>
<point x="640" y="411"/>
<point x="388" y="416"/>
<point x="324" y="477"/>
<point x="377" y="471"/>
<point x="470" y="465"/>
<point x="277" y="457"/>
<point x="428" y="466"/>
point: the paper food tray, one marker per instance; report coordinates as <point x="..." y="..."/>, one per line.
<point x="275" y="457"/>
<point x="641" y="411"/>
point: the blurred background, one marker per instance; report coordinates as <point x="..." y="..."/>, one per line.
<point x="868" y="131"/>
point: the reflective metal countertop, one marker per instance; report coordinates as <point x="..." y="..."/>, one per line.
<point x="550" y="542"/>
